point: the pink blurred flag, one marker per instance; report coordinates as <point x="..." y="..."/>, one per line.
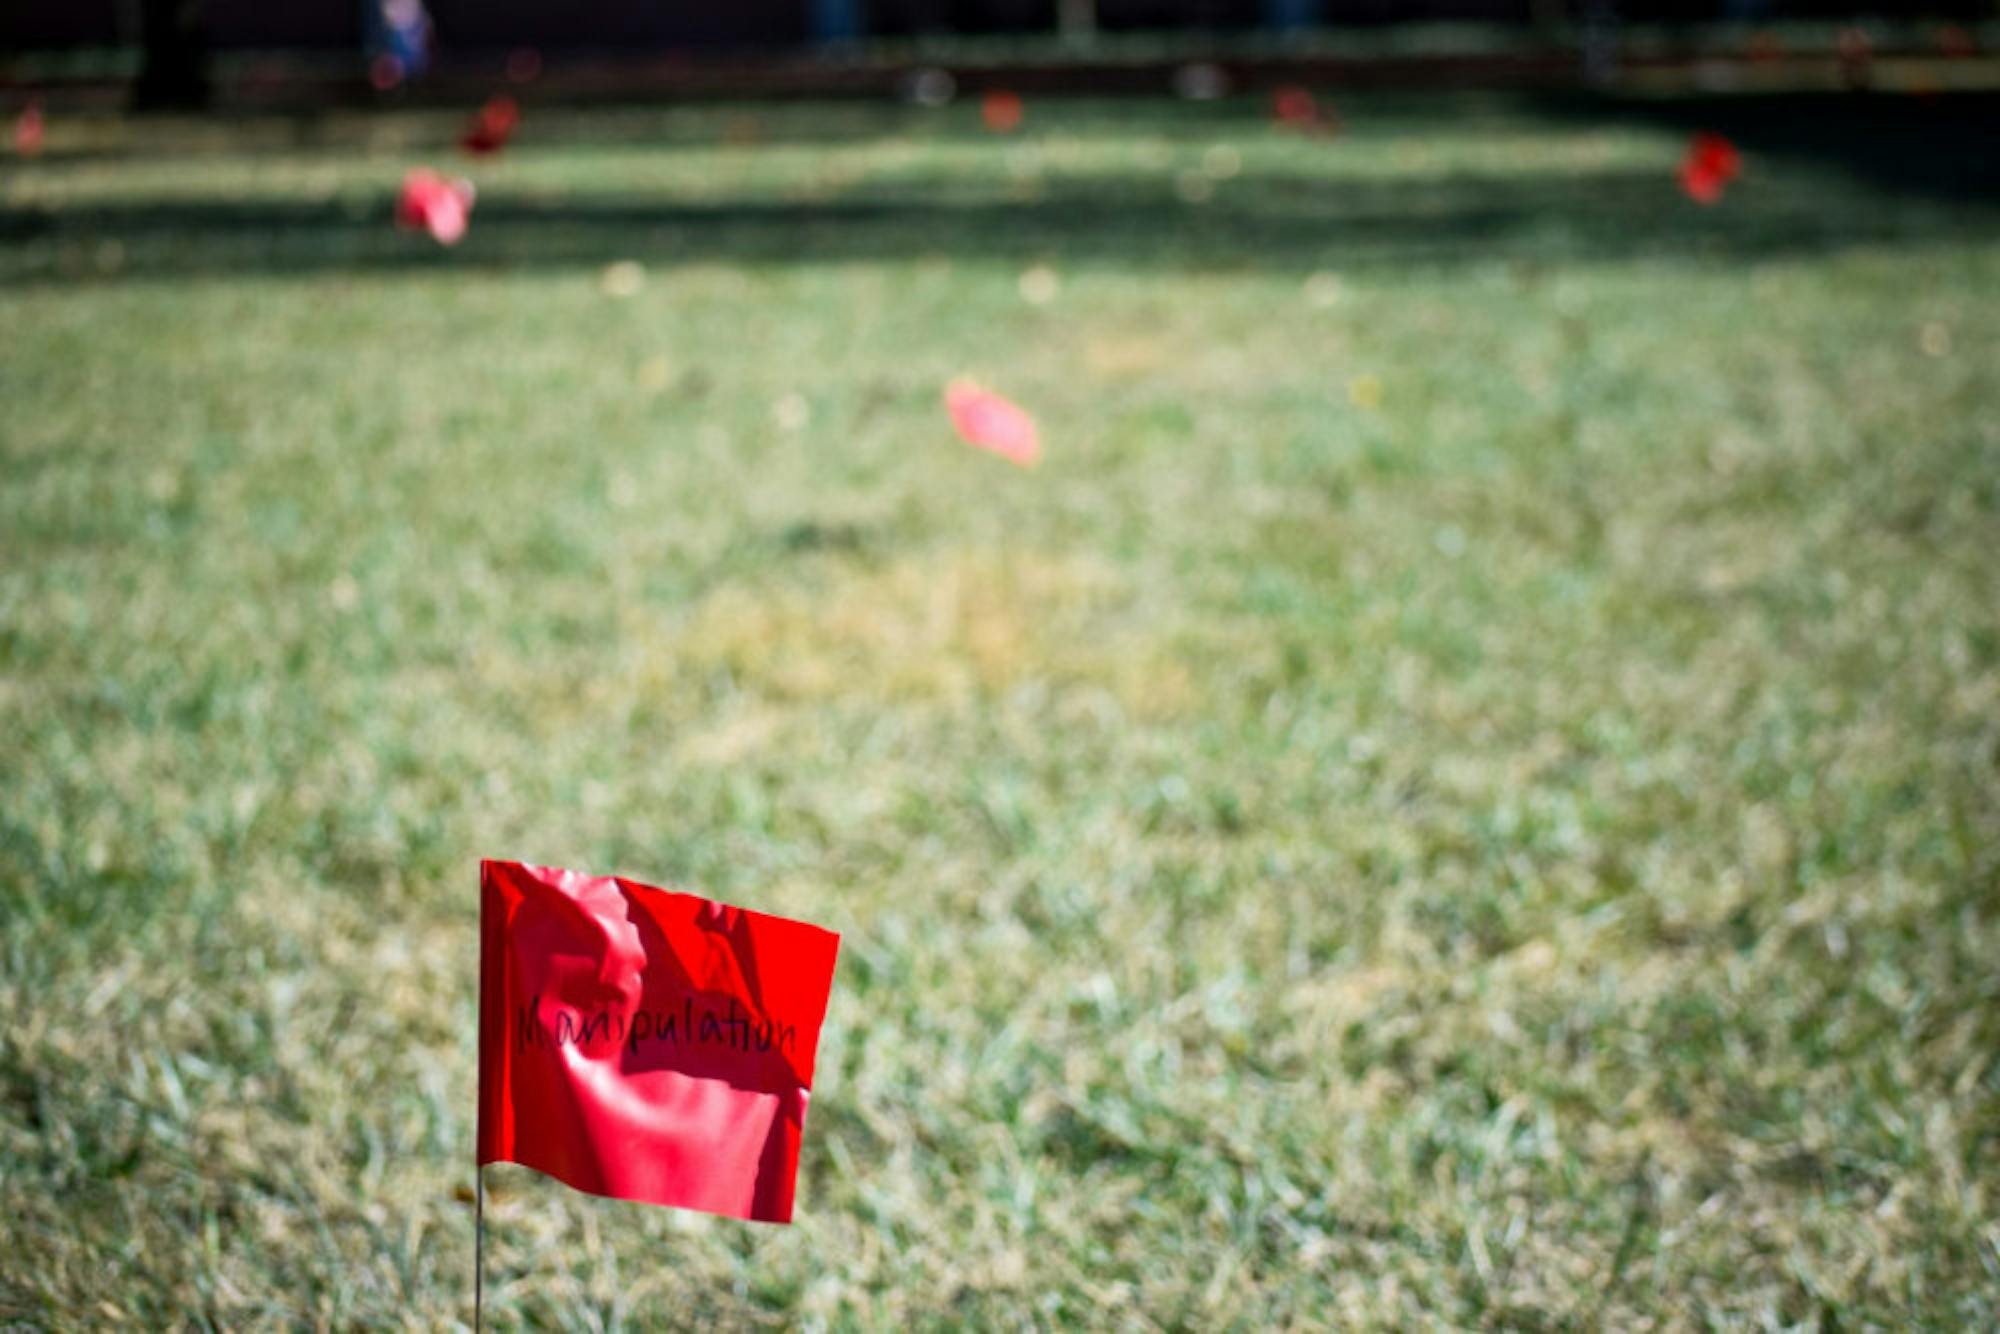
<point x="431" y="203"/>
<point x="28" y="130"/>
<point x="990" y="422"/>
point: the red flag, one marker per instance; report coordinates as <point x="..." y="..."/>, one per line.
<point x="1293" y="105"/>
<point x="1296" y="108"/>
<point x="989" y="421"/>
<point x="1001" y="110"/>
<point x="28" y="129"/>
<point x="492" y="127"/>
<point x="524" y="64"/>
<point x="1766" y="49"/>
<point x="1712" y="162"/>
<point x="431" y="203"/>
<point x="644" y="1044"/>
<point x="1857" y="54"/>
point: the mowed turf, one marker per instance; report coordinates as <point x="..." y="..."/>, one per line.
<point x="1463" y="791"/>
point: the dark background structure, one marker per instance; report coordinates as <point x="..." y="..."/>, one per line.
<point x="620" y="25"/>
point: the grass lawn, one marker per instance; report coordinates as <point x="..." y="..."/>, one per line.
<point x="1463" y="790"/>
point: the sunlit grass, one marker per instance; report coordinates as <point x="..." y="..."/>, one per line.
<point x="1462" y="790"/>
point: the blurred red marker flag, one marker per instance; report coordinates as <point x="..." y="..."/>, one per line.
<point x="1001" y="111"/>
<point x="1712" y="162"/>
<point x="1295" y="108"/>
<point x="492" y="127"/>
<point x="989" y="421"/>
<point x="28" y="129"/>
<point x="644" y="1044"/>
<point x="429" y="202"/>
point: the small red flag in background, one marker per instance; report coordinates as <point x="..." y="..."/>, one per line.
<point x="524" y="65"/>
<point x="1293" y="105"/>
<point x="1295" y="108"/>
<point x="990" y="422"/>
<point x="1712" y="162"/>
<point x="1766" y="49"/>
<point x="28" y="130"/>
<point x="1001" y="110"/>
<point x="645" y="1044"/>
<point x="431" y="203"/>
<point x="492" y="127"/>
<point x="1857" y="55"/>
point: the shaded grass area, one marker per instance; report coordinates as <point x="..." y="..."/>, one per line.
<point x="1462" y="791"/>
<point x="1134" y="183"/>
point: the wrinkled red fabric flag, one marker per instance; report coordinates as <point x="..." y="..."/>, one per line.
<point x="645" y="1044"/>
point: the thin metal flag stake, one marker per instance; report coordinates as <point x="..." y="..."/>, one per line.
<point x="479" y="1249"/>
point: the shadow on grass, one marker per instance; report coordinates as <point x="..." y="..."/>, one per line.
<point x="1893" y="186"/>
<point x="1941" y="144"/>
